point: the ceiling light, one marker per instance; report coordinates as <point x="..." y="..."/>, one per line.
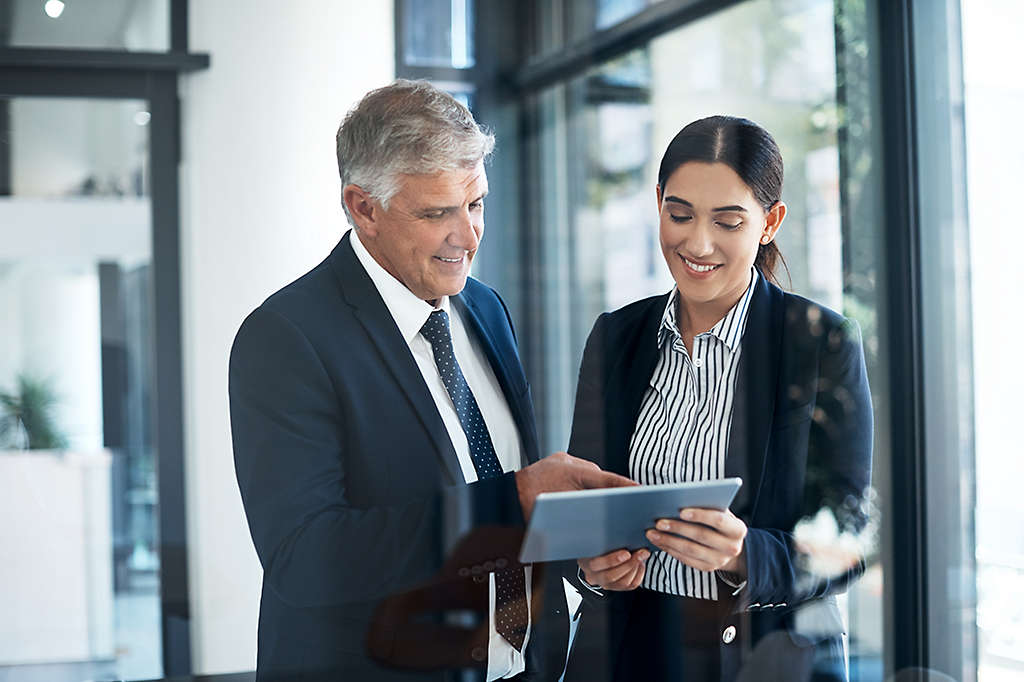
<point x="53" y="8"/>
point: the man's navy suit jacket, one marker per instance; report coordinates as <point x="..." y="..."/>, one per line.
<point x="352" y="488"/>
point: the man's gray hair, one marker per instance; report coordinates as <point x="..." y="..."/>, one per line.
<point x="406" y="128"/>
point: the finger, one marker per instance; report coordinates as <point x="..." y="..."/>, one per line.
<point x="639" y="577"/>
<point x="633" y="578"/>
<point x="681" y="547"/>
<point x="604" y="479"/>
<point x="606" y="561"/>
<point x="723" y="521"/>
<point x="701" y="534"/>
<point x="625" y="583"/>
<point x="613" y="575"/>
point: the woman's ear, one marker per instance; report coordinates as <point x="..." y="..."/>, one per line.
<point x="773" y="221"/>
<point x="657" y="192"/>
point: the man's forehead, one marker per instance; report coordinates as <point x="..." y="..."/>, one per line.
<point x="446" y="185"/>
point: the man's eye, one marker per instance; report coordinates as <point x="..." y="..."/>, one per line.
<point x="476" y="205"/>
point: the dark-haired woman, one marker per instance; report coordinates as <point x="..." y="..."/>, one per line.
<point x="726" y="375"/>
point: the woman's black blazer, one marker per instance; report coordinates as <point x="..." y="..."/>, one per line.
<point x="801" y="440"/>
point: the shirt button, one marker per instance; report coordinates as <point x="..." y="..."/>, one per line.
<point x="698" y="363"/>
<point x="729" y="634"/>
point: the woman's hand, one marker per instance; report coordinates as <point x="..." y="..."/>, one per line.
<point x="619" y="570"/>
<point x="707" y="539"/>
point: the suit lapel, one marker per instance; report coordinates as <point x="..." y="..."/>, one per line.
<point x="756" y="389"/>
<point x="499" y="358"/>
<point x="368" y="307"/>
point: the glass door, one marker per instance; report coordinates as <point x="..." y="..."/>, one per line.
<point x="80" y="588"/>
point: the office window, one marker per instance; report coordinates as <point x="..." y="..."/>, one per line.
<point x="121" y="24"/>
<point x="438" y="33"/>
<point x="799" y="69"/>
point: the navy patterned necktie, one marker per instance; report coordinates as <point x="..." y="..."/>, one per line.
<point x="511" y="616"/>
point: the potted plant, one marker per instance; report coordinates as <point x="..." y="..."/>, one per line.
<point x="27" y="420"/>
<point x="56" y="531"/>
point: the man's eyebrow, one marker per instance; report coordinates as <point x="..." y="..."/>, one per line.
<point x="734" y="207"/>
<point x="434" y="209"/>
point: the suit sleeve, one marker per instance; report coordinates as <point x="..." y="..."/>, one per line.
<point x="288" y="432"/>
<point x="838" y="478"/>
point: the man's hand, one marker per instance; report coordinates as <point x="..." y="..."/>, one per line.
<point x="561" y="471"/>
<point x="619" y="570"/>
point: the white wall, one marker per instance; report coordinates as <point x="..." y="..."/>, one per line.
<point x="260" y="206"/>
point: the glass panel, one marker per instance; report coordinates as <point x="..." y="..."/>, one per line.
<point x="113" y="24"/>
<point x="800" y="69"/>
<point x="438" y="33"/>
<point x="994" y="95"/>
<point x="79" y="585"/>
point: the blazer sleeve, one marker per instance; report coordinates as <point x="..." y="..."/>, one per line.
<point x="288" y="432"/>
<point x="838" y="478"/>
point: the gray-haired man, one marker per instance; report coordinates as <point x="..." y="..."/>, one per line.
<point x="383" y="430"/>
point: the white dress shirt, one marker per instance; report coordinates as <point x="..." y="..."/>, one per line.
<point x="410" y="314"/>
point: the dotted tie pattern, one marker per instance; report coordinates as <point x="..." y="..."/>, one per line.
<point x="510" y="585"/>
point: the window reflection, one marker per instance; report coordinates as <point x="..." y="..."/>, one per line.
<point x="786" y="66"/>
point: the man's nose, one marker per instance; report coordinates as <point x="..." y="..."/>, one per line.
<point x="467" y="231"/>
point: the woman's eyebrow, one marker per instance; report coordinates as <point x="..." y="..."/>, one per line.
<point x="676" y="200"/>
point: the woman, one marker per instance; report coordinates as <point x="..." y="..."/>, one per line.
<point x="727" y="375"/>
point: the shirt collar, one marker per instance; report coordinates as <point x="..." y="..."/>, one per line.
<point x="728" y="330"/>
<point x="409" y="312"/>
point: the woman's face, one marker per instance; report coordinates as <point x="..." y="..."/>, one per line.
<point x="710" y="228"/>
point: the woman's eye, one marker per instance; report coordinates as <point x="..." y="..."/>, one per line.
<point x="728" y="226"/>
<point x="680" y="218"/>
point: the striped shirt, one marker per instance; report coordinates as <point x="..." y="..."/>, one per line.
<point x="682" y="432"/>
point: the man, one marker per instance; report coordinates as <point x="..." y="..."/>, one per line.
<point x="383" y="430"/>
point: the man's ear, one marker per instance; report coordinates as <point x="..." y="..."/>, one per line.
<point x="362" y="207"/>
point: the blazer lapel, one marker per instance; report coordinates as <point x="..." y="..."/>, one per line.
<point x="499" y="358"/>
<point x="756" y="389"/>
<point x="368" y="307"/>
<point x="633" y="368"/>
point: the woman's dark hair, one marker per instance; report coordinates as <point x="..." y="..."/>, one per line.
<point x="745" y="147"/>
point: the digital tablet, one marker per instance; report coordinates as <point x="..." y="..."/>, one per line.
<point x="588" y="523"/>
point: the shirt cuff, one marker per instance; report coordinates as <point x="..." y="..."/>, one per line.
<point x="583" y="581"/>
<point x="732" y="580"/>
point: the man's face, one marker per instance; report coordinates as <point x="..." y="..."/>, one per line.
<point x="427" y="237"/>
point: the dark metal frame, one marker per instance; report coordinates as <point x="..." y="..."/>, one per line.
<point x="906" y="573"/>
<point x="29" y="72"/>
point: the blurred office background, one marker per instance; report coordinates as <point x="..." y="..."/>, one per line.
<point x="165" y="165"/>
